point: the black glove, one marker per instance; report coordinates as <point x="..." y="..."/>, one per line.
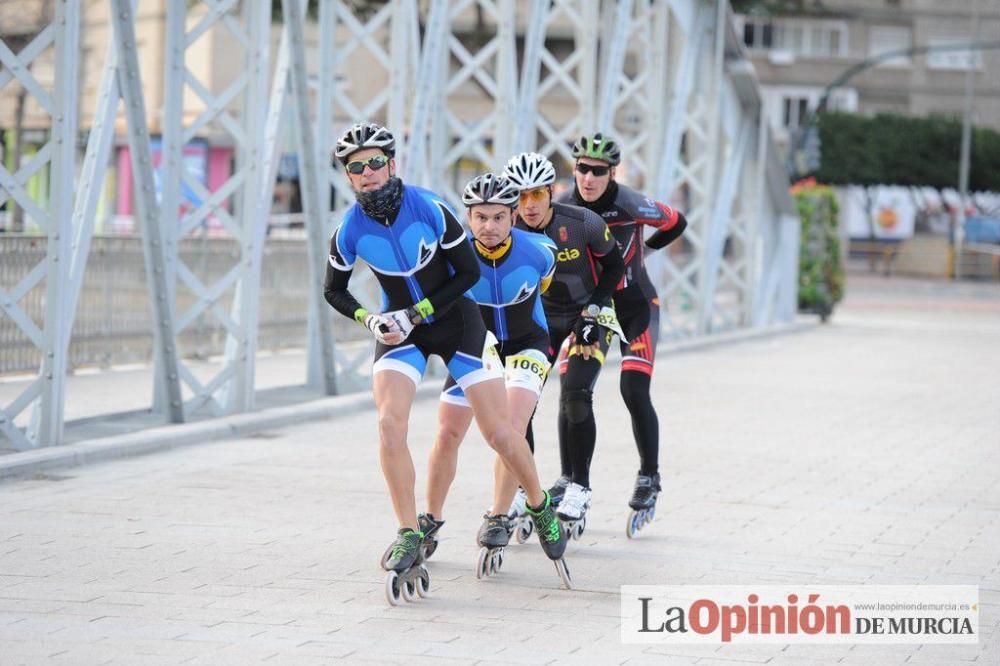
<point x="587" y="330"/>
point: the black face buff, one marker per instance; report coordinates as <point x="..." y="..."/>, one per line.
<point x="383" y="202"/>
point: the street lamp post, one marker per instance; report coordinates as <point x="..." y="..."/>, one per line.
<point x="963" y="166"/>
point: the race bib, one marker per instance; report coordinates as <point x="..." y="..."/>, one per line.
<point x="527" y="369"/>
<point x="608" y="318"/>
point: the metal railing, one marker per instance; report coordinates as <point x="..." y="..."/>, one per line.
<point x="113" y="324"/>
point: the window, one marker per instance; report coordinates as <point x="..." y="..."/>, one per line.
<point x="789" y="106"/>
<point x="953" y="59"/>
<point x="885" y="38"/>
<point x="758" y="32"/>
<point x="818" y="38"/>
<point x="796" y="109"/>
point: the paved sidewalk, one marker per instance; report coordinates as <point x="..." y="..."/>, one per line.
<point x="864" y="451"/>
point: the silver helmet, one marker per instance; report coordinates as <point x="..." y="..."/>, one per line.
<point x="490" y="188"/>
<point x="365" y="135"/>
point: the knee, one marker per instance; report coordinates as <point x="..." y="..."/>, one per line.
<point x="448" y="438"/>
<point x="501" y="438"/>
<point x="391" y="430"/>
<point x="634" y="388"/>
<point x="577" y="405"/>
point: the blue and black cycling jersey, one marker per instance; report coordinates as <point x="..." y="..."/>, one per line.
<point x="511" y="280"/>
<point x="420" y="253"/>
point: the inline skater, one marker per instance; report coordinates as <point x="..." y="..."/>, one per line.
<point x="424" y="264"/>
<point x="515" y="268"/>
<point x="637" y="305"/>
<point x="588" y="266"/>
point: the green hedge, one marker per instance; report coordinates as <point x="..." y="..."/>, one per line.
<point x="890" y="149"/>
<point x="821" y="273"/>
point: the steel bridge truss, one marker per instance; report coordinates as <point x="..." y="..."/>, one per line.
<point x="463" y="84"/>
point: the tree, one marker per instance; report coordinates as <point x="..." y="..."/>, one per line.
<point x="891" y="149"/>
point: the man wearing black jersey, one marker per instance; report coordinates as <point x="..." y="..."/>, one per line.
<point x="637" y="305"/>
<point x="588" y="266"/>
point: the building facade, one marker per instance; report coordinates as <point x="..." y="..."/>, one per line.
<point x="798" y="49"/>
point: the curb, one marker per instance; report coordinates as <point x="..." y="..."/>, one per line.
<point x="163" y="438"/>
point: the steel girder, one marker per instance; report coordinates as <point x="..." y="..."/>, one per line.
<point x="445" y="77"/>
<point x="45" y="395"/>
<point x="238" y="111"/>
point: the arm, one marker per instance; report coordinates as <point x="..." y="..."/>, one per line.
<point x="668" y="229"/>
<point x="338" y="275"/>
<point x="605" y="249"/>
<point x="463" y="260"/>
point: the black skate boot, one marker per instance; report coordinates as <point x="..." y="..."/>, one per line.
<point x="430" y="526"/>
<point x="642" y="503"/>
<point x="407" y="578"/>
<point x="550" y="535"/>
<point x="493" y="535"/>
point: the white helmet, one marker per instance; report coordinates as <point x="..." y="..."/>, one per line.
<point x="530" y="170"/>
<point x="490" y="189"/>
<point x="364" y="135"/>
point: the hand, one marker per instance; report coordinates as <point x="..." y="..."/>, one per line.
<point x="587" y="334"/>
<point x="384" y="329"/>
<point x="586" y="351"/>
<point x="587" y="330"/>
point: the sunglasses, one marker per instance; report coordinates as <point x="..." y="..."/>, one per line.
<point x="590" y="168"/>
<point x="374" y="163"/>
<point x="536" y="194"/>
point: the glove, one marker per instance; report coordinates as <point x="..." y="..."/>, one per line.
<point x="587" y="331"/>
<point x="382" y="326"/>
<point x="401" y="322"/>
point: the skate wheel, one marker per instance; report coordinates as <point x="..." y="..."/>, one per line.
<point x="429" y="548"/>
<point x="392" y="588"/>
<point x="525" y="530"/>
<point x="633" y="524"/>
<point x="647" y="516"/>
<point x="483" y="563"/>
<point x="423" y="583"/>
<point x="409" y="590"/>
<point x="578" y="529"/>
<point x="498" y="559"/>
<point x="563" y="571"/>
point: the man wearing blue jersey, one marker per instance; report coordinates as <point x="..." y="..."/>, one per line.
<point x="516" y="267"/>
<point x="424" y="264"/>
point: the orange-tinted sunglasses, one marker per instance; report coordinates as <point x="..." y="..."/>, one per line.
<point x="536" y="194"/>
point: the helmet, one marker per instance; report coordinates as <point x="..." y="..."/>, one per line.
<point x="529" y="170"/>
<point x="364" y="135"/>
<point x="598" y="147"/>
<point x="490" y="189"/>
